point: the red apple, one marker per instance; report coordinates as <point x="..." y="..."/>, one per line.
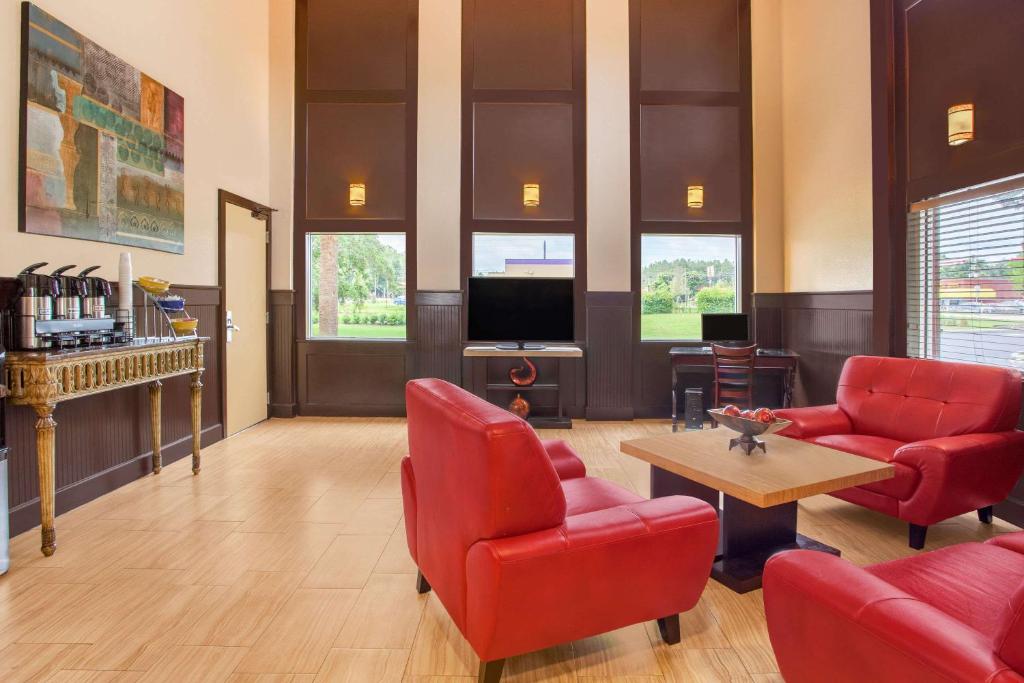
<point x="747" y="414"/>
<point x="731" y="410"/>
<point x="764" y="415"/>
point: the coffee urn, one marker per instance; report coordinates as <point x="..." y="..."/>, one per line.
<point x="36" y="302"/>
<point x="97" y="292"/>
<point x="70" y="292"/>
<point x="5" y="526"/>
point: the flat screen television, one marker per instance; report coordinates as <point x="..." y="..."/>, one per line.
<point x="518" y="312"/>
<point x="724" y="327"/>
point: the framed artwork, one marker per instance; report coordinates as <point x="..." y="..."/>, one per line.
<point x="102" y="144"/>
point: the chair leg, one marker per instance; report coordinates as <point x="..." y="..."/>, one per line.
<point x="490" y="672"/>
<point x="669" y="627"/>
<point x="917" y="536"/>
<point x="985" y="514"/>
<point x="421" y="583"/>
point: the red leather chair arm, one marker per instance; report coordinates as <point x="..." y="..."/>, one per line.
<point x="961" y="473"/>
<point x="564" y="458"/>
<point x="830" y="620"/>
<point x="816" y="421"/>
<point x="597" y="572"/>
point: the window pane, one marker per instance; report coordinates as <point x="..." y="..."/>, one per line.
<point x="514" y="255"/>
<point x="965" y="280"/>
<point x="683" y="276"/>
<point x="365" y="272"/>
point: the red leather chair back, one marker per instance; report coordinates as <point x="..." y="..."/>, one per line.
<point x="1010" y="638"/>
<point x="480" y="472"/>
<point x="909" y="399"/>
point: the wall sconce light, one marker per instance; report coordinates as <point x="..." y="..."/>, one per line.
<point x="695" y="196"/>
<point x="961" y="124"/>
<point x="531" y="195"/>
<point x="357" y="194"/>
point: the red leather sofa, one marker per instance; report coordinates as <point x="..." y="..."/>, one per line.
<point x="522" y="548"/>
<point x="948" y="429"/>
<point x="955" y="614"/>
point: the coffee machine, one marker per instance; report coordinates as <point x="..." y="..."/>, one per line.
<point x="97" y="291"/>
<point x="36" y="304"/>
<point x="70" y="292"/>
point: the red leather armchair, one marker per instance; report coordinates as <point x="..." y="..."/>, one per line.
<point x="948" y="429"/>
<point x="522" y="548"/>
<point x="955" y="614"/>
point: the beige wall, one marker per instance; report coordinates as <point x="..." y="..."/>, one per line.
<point x="282" y="137"/>
<point x="826" y="133"/>
<point x="608" y="172"/>
<point x="215" y="54"/>
<point x="439" y="142"/>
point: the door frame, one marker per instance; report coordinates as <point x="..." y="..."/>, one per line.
<point x="264" y="213"/>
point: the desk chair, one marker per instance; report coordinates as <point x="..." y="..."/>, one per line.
<point x="733" y="375"/>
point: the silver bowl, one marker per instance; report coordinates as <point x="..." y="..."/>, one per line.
<point x="749" y="429"/>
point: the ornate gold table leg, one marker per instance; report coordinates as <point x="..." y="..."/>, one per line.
<point x="155" y="393"/>
<point x="45" y="432"/>
<point x="197" y="418"/>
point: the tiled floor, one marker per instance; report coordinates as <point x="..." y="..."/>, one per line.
<point x="285" y="560"/>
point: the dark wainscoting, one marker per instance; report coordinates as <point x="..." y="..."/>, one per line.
<point x="352" y="377"/>
<point x="282" y="349"/>
<point x="825" y="328"/>
<point x="439" y="335"/>
<point x="609" y="357"/>
<point x="103" y="441"/>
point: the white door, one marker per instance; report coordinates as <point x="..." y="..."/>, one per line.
<point x="245" y="296"/>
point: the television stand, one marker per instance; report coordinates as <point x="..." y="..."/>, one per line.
<point x="520" y="346"/>
<point x="484" y="380"/>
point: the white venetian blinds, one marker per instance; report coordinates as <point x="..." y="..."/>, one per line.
<point x="965" y="275"/>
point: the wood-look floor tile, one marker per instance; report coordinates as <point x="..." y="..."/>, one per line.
<point x="625" y="652"/>
<point x="683" y="665"/>
<point x="33" y="661"/>
<point x="374" y="516"/>
<point x="439" y="649"/>
<point x="86" y="676"/>
<point x="554" y="664"/>
<point x="396" y="558"/>
<point x="347" y="562"/>
<point x="385" y="616"/>
<point x="390" y="486"/>
<point x="240" y="614"/>
<point x="195" y="663"/>
<point x="363" y="666"/>
<point x="300" y="636"/>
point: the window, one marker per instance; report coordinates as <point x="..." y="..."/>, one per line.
<point x="965" y="275"/>
<point x="682" y="276"/>
<point x="522" y="255"/>
<point x="366" y="274"/>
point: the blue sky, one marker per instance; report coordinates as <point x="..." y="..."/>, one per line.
<point x="655" y="248"/>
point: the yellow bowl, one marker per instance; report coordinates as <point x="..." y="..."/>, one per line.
<point x="185" y="325"/>
<point x="154" y="285"/>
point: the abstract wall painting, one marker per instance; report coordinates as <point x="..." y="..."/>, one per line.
<point x="102" y="144"/>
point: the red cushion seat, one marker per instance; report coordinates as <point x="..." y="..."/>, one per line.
<point x="901" y="486"/>
<point x="587" y="494"/>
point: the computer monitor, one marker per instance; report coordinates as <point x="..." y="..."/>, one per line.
<point x="725" y="327"/>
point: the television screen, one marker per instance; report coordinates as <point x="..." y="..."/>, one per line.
<point x="520" y="309"/>
<point x="724" y="327"/>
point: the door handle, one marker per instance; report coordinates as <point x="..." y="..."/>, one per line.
<point x="231" y="327"/>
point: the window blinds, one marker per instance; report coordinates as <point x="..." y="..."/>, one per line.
<point x="965" y="276"/>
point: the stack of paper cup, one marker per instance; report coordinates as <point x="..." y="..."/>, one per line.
<point x="124" y="292"/>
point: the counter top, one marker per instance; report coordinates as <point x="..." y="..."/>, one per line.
<point x="72" y="354"/>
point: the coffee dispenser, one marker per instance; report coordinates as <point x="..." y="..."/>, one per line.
<point x="97" y="291"/>
<point x="70" y="292"/>
<point x="35" y="303"/>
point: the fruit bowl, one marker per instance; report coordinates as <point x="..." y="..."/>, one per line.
<point x="185" y="326"/>
<point x="749" y="429"/>
<point x="154" y="285"/>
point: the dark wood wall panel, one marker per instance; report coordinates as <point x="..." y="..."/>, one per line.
<point x="523" y="44"/>
<point x="439" y="335"/>
<point x="824" y="328"/>
<point x="352" y="378"/>
<point x="964" y="51"/>
<point x="356" y="143"/>
<point x="690" y="145"/>
<point x="356" y="45"/>
<point x="514" y="144"/>
<point x="609" y="355"/>
<point x="104" y="441"/>
<point x="703" y="36"/>
<point x="282" y="363"/>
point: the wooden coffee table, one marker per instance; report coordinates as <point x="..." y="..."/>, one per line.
<point x="758" y="509"/>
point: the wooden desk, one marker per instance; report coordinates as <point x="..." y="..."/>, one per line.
<point x="758" y="512"/>
<point x="42" y="379"/>
<point x="772" y="360"/>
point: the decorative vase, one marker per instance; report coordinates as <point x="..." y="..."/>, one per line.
<point x="523" y="376"/>
<point x="519" y="407"/>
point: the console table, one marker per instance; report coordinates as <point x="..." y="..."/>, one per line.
<point x="699" y="357"/>
<point x="482" y="387"/>
<point x="42" y="379"/>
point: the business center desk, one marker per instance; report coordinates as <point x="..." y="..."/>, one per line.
<point x="699" y="358"/>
